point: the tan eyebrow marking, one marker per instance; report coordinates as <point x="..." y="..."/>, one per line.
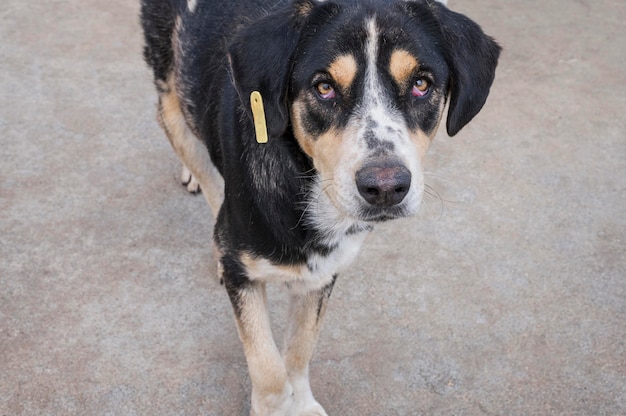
<point x="402" y="65"/>
<point x="343" y="70"/>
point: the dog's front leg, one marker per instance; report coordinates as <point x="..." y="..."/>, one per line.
<point x="306" y="313"/>
<point x="272" y="394"/>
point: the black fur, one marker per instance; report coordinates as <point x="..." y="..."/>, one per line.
<point x="157" y="18"/>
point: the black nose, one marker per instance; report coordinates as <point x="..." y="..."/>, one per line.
<point x="385" y="185"/>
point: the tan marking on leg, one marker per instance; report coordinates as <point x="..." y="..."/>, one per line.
<point x="306" y="312"/>
<point x="217" y="253"/>
<point x="191" y="151"/>
<point x="303" y="329"/>
<point x="271" y="392"/>
<point x="402" y="66"/>
<point x="343" y="70"/>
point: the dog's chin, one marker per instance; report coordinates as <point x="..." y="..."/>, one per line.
<point x="377" y="214"/>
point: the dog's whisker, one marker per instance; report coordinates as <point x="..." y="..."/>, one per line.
<point x="430" y="191"/>
<point x="306" y="172"/>
<point x="313" y="177"/>
<point x="310" y="201"/>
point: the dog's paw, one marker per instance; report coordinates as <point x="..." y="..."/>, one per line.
<point x="273" y="404"/>
<point x="314" y="409"/>
<point x="189" y="181"/>
<point x="307" y="406"/>
<point x="304" y="404"/>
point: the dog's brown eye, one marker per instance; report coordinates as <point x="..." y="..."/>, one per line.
<point x="420" y="88"/>
<point x="325" y="90"/>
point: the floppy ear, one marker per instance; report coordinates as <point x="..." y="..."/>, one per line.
<point x="472" y="57"/>
<point x="261" y="60"/>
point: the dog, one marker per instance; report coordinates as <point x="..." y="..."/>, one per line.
<point x="304" y="123"/>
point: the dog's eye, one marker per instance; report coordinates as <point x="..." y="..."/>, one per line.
<point x="325" y="91"/>
<point x="420" y="88"/>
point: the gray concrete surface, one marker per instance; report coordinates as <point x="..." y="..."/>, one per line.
<point x="507" y="296"/>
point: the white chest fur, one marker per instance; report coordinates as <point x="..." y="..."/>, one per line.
<point x="319" y="269"/>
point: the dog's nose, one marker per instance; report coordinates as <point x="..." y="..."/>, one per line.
<point x="385" y="185"/>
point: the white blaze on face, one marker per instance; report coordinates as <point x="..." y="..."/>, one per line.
<point x="372" y="89"/>
<point x="382" y="126"/>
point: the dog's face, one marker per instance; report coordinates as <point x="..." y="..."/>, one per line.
<point x="367" y="94"/>
<point x="364" y="91"/>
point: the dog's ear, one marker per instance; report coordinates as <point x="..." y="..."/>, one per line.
<point x="260" y="57"/>
<point x="471" y="56"/>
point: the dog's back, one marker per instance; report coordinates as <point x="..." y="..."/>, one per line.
<point x="186" y="46"/>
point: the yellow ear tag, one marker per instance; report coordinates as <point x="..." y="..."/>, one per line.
<point x="258" y="113"/>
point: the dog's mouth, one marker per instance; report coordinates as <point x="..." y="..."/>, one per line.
<point x="377" y="214"/>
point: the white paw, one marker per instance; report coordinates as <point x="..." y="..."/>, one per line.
<point x="189" y="181"/>
<point x="304" y="404"/>
<point x="313" y="409"/>
<point x="273" y="404"/>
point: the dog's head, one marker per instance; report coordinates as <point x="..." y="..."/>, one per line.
<point x="363" y="87"/>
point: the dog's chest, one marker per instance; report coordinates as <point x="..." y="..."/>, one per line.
<point x="342" y="250"/>
<point x="339" y="250"/>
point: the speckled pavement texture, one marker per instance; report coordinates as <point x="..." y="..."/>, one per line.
<point x="506" y="295"/>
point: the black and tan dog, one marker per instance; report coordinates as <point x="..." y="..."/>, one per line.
<point x="304" y="123"/>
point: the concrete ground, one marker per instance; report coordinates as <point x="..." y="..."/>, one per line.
<point x="506" y="296"/>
